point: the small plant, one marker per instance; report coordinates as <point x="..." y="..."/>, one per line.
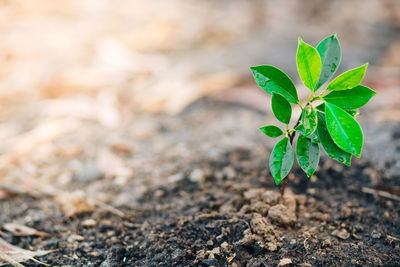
<point x="328" y="118"/>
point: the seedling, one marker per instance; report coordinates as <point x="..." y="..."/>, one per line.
<point x="327" y="118"/>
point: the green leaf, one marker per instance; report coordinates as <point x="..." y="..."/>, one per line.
<point x="349" y="79"/>
<point x="281" y="160"/>
<point x="330" y="53"/>
<point x="309" y="119"/>
<point x="281" y="108"/>
<point x="344" y="130"/>
<point x="307" y="153"/>
<point x="301" y="131"/>
<point x="308" y="64"/>
<point x="320" y="107"/>
<point x="353" y="112"/>
<point x="350" y="99"/>
<point x="272" y="79"/>
<point x="329" y="145"/>
<point x="271" y="131"/>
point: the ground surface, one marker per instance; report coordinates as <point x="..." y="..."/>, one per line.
<point x="220" y="207"/>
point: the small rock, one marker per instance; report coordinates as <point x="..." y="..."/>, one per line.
<point x="106" y="263"/>
<point x="74" y="203"/>
<point x="345" y="212"/>
<point x="214" y="251"/>
<point x="225" y="247"/>
<point x="282" y="214"/>
<point x="284" y="262"/>
<point x="209" y="262"/>
<point x="375" y="234"/>
<point x="197" y="176"/>
<point x="89" y="223"/>
<point x="89" y="172"/>
<point x="122" y="149"/>
<point x="312" y="191"/>
<point x="271" y="246"/>
<point x="159" y="193"/>
<point x="327" y="243"/>
<point x="72" y="238"/>
<point x="229" y="172"/>
<point x="177" y="254"/>
<point x="175" y="178"/>
<point x="201" y="254"/>
<point x="342" y="234"/>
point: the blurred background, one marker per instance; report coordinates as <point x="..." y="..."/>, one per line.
<point x="87" y="88"/>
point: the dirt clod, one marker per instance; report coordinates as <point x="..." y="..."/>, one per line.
<point x="342" y="234"/>
<point x="281" y="214"/>
<point x="285" y="262"/>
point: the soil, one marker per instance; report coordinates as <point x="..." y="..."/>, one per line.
<point x="210" y="201"/>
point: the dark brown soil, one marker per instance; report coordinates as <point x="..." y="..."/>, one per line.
<point x="223" y="209"/>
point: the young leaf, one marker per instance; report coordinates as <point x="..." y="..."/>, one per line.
<point x="344" y="130"/>
<point x="350" y="99"/>
<point x="307" y="153"/>
<point x="313" y="137"/>
<point x="281" y="108"/>
<point x="309" y="120"/>
<point x="353" y="112"/>
<point x="308" y="64"/>
<point x="329" y="145"/>
<point x="320" y="107"/>
<point x="281" y="160"/>
<point x="330" y="53"/>
<point x="349" y="79"/>
<point x="271" y="80"/>
<point x="271" y="131"/>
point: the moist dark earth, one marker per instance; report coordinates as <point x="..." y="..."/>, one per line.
<point x="222" y="208"/>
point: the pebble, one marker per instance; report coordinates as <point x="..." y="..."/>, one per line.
<point x="375" y="234"/>
<point x="89" y="172"/>
<point x="282" y="214"/>
<point x="284" y="262"/>
<point x="215" y="251"/>
<point x="225" y="246"/>
<point x="89" y="222"/>
<point x="209" y="262"/>
<point x="197" y="176"/>
<point x="229" y="172"/>
<point x="175" y="178"/>
<point x="177" y="254"/>
<point x="327" y="243"/>
<point x="342" y="234"/>
<point x="271" y="246"/>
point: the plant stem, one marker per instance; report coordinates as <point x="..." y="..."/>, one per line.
<point x="291" y="138"/>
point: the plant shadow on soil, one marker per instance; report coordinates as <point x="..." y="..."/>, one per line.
<point x="225" y="211"/>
